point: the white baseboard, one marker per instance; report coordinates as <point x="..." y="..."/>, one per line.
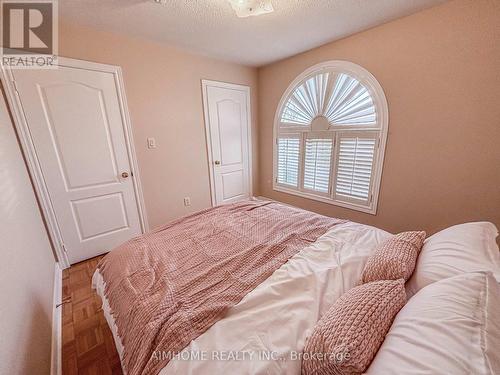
<point x="263" y="198"/>
<point x="56" y="367"/>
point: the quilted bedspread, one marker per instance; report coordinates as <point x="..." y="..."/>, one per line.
<point x="169" y="286"/>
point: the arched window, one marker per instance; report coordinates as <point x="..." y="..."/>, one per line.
<point x="330" y="135"/>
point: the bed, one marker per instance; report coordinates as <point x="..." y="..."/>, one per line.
<point x="265" y="330"/>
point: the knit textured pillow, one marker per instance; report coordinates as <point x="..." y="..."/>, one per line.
<point x="349" y="335"/>
<point x="395" y="258"/>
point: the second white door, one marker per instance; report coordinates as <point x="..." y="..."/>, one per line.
<point x="227" y="109"/>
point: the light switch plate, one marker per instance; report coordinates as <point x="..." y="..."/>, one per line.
<point x="151" y="143"/>
<point x="187" y="201"/>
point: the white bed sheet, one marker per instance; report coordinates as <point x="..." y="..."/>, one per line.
<point x="265" y="332"/>
<point x="98" y="284"/>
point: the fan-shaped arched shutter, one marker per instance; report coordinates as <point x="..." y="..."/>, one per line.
<point x="340" y="98"/>
<point x="331" y="129"/>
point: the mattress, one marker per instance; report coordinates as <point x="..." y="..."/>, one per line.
<point x="266" y="331"/>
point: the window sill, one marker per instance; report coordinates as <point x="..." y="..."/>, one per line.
<point x="372" y="209"/>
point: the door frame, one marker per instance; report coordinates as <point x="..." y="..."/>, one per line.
<point x="205" y="84"/>
<point x="33" y="164"/>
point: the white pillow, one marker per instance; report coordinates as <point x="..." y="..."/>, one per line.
<point x="462" y="248"/>
<point x="449" y="327"/>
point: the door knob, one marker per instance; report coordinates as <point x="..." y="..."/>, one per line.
<point x="124" y="174"/>
<point x="217" y="162"/>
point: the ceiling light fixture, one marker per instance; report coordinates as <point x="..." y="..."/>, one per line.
<point x="247" y="8"/>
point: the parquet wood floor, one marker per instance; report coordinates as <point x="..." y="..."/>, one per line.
<point x="87" y="342"/>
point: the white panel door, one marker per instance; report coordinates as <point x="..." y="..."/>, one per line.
<point x="77" y="127"/>
<point x="228" y="127"/>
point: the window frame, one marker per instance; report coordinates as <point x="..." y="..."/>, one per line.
<point x="381" y="128"/>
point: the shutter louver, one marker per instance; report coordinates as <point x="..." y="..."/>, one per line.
<point x="288" y="161"/>
<point x="318" y="156"/>
<point x="355" y="167"/>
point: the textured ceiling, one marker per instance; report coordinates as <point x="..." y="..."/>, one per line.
<point x="210" y="27"/>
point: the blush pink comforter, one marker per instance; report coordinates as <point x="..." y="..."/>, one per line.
<point x="169" y="286"/>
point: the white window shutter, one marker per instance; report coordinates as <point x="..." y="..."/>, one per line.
<point x="355" y="167"/>
<point x="340" y="98"/>
<point x="288" y="161"/>
<point x="317" y="163"/>
<point x="330" y="135"/>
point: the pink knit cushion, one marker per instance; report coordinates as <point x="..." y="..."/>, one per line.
<point x="394" y="258"/>
<point x="349" y="335"/>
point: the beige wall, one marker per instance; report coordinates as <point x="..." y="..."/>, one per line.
<point x="440" y="70"/>
<point x="27" y="266"/>
<point x="163" y="87"/>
